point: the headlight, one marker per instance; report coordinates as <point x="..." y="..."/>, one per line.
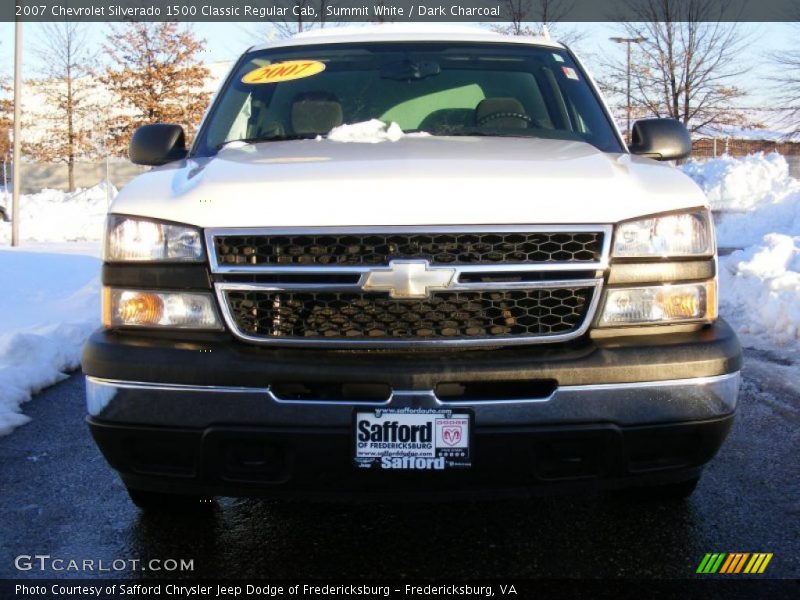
<point x="675" y="235"/>
<point x="131" y="239"/>
<point x="178" y="310"/>
<point x="659" y="304"/>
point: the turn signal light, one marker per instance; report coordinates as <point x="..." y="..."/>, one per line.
<point x="141" y="308"/>
<point x="660" y="304"/>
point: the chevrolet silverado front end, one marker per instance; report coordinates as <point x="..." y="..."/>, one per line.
<point x="500" y="296"/>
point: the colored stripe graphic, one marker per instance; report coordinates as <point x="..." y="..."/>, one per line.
<point x="732" y="563"/>
<point x="765" y="563"/>
<point x="741" y="562"/>
<point x="758" y="563"/>
<point x="711" y="563"/>
<point x="749" y="567"/>
<point x="716" y="565"/>
<point x="728" y="563"/>
<point x="703" y="563"/>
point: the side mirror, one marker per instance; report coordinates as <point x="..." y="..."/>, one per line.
<point x="661" y="139"/>
<point x="157" y="144"/>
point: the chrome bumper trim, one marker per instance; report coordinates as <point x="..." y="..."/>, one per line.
<point x="633" y="403"/>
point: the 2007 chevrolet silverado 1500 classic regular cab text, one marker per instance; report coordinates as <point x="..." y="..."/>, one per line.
<point x="499" y="296"/>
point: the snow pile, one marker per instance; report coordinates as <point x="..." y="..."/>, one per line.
<point x="367" y="132"/>
<point x="746" y="229"/>
<point x="760" y="288"/>
<point x="753" y="196"/>
<point x="52" y="215"/>
<point x="742" y="184"/>
<point x="758" y="212"/>
<point x="50" y="303"/>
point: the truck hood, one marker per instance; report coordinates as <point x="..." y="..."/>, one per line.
<point x="413" y="181"/>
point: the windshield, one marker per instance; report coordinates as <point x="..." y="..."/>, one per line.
<point x="442" y="89"/>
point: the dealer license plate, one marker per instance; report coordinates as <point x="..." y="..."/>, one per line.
<point x="412" y="439"/>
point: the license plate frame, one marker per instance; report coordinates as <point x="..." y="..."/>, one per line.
<point x="422" y="439"/>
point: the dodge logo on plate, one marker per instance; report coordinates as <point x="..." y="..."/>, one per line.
<point x="451" y="435"/>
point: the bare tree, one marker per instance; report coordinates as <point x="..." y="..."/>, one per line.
<point x="66" y="86"/>
<point x="6" y="116"/>
<point x="787" y="88"/>
<point x="156" y="74"/>
<point x="6" y="123"/>
<point x="686" y="66"/>
<point x="538" y="17"/>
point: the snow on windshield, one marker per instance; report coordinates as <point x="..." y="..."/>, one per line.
<point x="367" y="132"/>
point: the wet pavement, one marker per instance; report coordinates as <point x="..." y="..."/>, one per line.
<point x="58" y="497"/>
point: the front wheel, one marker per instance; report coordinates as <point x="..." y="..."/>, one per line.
<point x="159" y="502"/>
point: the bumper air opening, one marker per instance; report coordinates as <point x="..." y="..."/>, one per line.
<point x="472" y="391"/>
<point x="345" y="392"/>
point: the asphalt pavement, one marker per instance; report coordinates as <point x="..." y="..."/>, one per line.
<point x="58" y="497"/>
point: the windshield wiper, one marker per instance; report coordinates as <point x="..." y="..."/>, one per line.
<point x="271" y="138"/>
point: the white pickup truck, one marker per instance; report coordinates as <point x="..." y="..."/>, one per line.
<point x="395" y="262"/>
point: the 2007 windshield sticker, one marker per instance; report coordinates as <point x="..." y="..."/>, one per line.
<point x="284" y="71"/>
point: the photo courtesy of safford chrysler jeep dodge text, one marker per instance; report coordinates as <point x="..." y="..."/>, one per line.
<point x="485" y="291"/>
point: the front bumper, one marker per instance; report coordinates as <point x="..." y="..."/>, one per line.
<point x="200" y="407"/>
<point x="197" y="417"/>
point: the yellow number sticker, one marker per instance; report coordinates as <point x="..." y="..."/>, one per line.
<point x="284" y="71"/>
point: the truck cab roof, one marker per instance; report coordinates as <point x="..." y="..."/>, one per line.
<point x="401" y="32"/>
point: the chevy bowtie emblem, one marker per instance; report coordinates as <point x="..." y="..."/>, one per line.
<point x="409" y="279"/>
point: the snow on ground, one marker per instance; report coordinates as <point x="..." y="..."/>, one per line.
<point x="757" y="207"/>
<point x="55" y="216"/>
<point x="761" y="288"/>
<point x="49" y="293"/>
<point x="50" y="302"/>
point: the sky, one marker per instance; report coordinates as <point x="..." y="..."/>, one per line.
<point x="225" y="41"/>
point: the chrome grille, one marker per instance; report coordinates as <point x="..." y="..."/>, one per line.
<point x="359" y="316"/>
<point x="309" y="287"/>
<point x="437" y="248"/>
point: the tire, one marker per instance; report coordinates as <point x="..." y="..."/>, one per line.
<point x="159" y="502"/>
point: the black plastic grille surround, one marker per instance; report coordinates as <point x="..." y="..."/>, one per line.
<point x="351" y="316"/>
<point x="436" y="248"/>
